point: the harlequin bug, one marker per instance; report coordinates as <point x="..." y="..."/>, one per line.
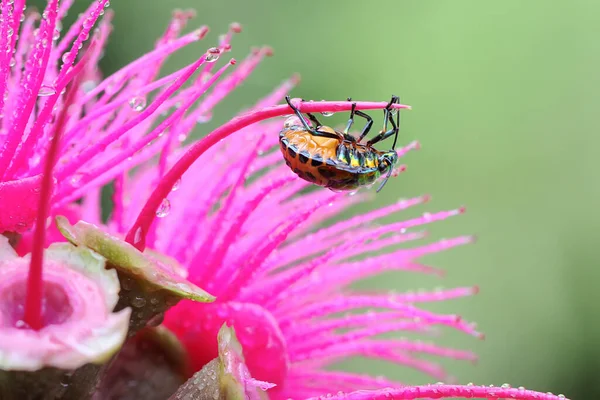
<point x="337" y="160"/>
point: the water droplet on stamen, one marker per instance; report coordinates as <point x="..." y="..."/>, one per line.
<point x="164" y="209"/>
<point x="46" y="90"/>
<point x="88" y="86"/>
<point x="65" y="56"/>
<point x="212" y="54"/>
<point x="137" y="238"/>
<point x="176" y="185"/>
<point x="326" y="113"/>
<point x="137" y="103"/>
<point x="291" y="121"/>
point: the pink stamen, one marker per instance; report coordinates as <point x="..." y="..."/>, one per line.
<point x="110" y="137"/>
<point x="309" y="331"/>
<point x="203" y="254"/>
<point x="34" y="75"/>
<point x="4" y="55"/>
<point x="109" y="168"/>
<point x="235" y="228"/>
<point x="21" y="156"/>
<point x="35" y="284"/>
<point x="440" y="391"/>
<point x="347" y="379"/>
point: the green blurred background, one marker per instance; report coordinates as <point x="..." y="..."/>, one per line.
<point x="505" y="98"/>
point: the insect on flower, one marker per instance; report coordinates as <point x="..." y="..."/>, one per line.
<point x="337" y="160"/>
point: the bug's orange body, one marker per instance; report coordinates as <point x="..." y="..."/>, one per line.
<point x="337" y="160"/>
<point x="338" y="164"/>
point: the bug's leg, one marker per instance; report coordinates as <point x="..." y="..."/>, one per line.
<point x="351" y="120"/>
<point x="298" y="114"/>
<point x="367" y="126"/>
<point x="388" y="118"/>
<point x="314" y="120"/>
<point x="397" y="127"/>
<point x="323" y="134"/>
<point x="387" y="112"/>
<point x="386" y="134"/>
<point x="305" y="122"/>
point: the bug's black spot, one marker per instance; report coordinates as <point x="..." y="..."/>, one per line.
<point x="310" y="177"/>
<point x="287" y="162"/>
<point x="291" y="152"/>
<point x="303" y="157"/>
<point x="316" y="162"/>
<point x="326" y="173"/>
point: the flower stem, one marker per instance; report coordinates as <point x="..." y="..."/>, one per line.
<point x="35" y="285"/>
<point x="137" y="234"/>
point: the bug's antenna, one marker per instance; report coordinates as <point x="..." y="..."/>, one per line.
<point x="385" y="180"/>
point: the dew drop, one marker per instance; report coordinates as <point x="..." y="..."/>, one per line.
<point x="88" y="86"/>
<point x="176" y="185"/>
<point x="326" y="113"/>
<point x="212" y="54"/>
<point x="164" y="209"/>
<point x="75" y="180"/>
<point x="137" y="103"/>
<point x="291" y="121"/>
<point x="12" y="62"/>
<point x="202" y="119"/>
<point x="34" y="160"/>
<point x="65" y="56"/>
<point x="55" y="34"/>
<point x="138" y="302"/>
<point x="20" y="324"/>
<point x="46" y="90"/>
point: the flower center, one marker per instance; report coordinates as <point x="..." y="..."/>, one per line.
<point x="56" y="307"/>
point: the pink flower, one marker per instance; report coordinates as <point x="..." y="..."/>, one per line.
<point x="281" y="271"/>
<point x="261" y="241"/>
<point x="247" y="229"/>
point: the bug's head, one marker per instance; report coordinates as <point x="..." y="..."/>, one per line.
<point x="387" y="162"/>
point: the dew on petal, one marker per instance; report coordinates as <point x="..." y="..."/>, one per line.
<point x="212" y="54"/>
<point x="176" y="185"/>
<point x="137" y="103"/>
<point x="164" y="209"/>
<point x="46" y="90"/>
